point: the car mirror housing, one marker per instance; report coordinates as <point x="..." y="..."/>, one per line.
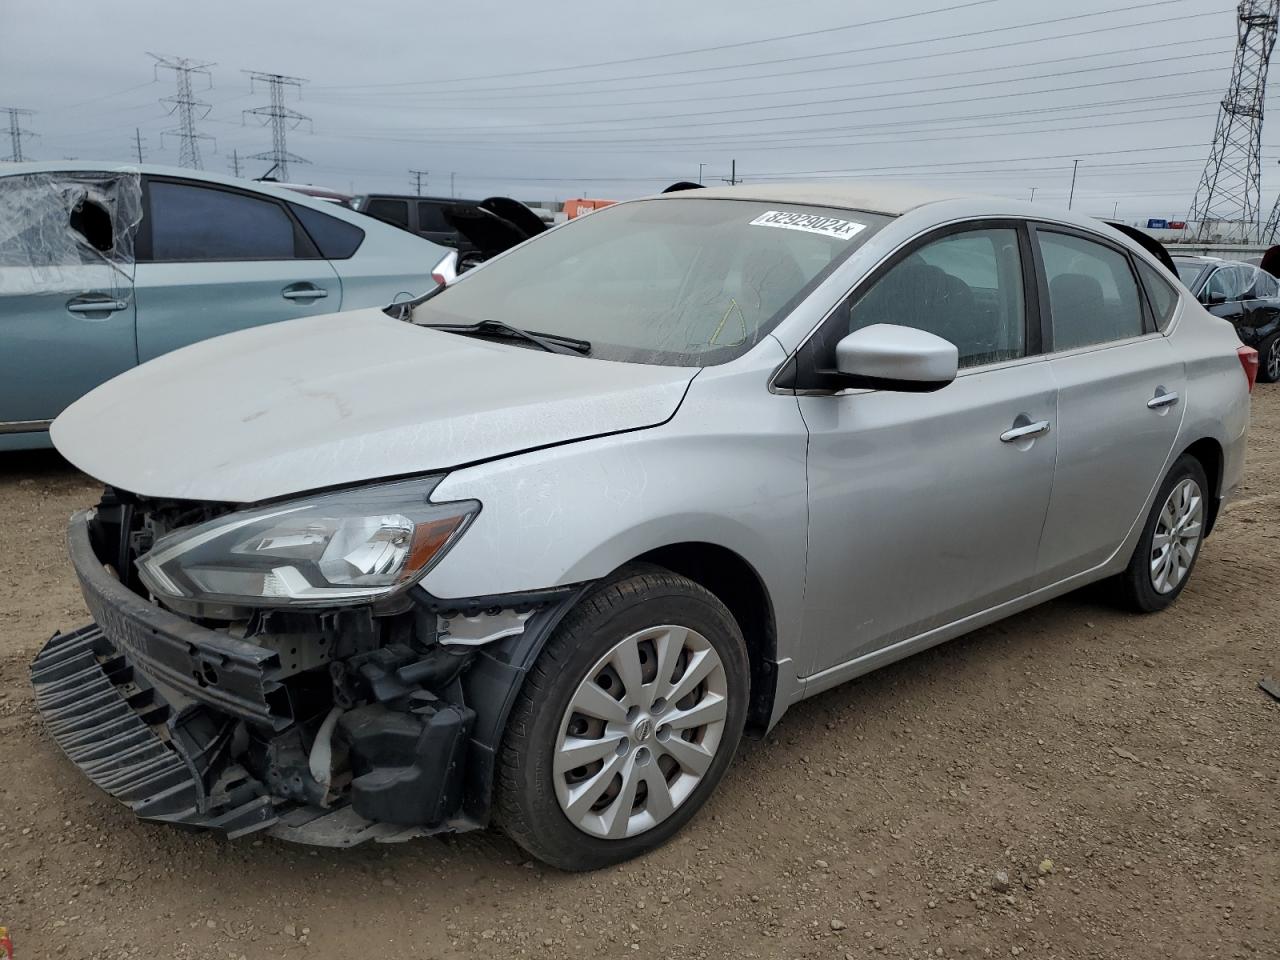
<point x="886" y="356"/>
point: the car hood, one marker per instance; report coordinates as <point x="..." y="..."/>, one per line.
<point x="344" y="398"/>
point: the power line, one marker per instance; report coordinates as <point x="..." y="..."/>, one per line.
<point x="185" y="106"/>
<point x="16" y="132"/>
<point x="281" y="118"/>
<point x="465" y="100"/>
<point x="684" y="53"/>
<point x="873" y="48"/>
<point x="568" y="135"/>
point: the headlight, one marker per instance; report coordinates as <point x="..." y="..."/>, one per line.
<point x="348" y="547"/>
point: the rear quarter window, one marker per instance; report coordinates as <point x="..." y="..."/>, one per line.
<point x="335" y="239"/>
<point x="1160" y="294"/>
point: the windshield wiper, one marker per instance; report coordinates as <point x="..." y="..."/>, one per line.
<point x="551" y="342"/>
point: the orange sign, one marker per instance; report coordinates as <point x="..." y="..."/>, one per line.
<point x="576" y="208"/>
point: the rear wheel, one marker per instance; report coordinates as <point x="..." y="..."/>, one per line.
<point x="1269" y="359"/>
<point x="625" y="724"/>
<point x="1170" y="543"/>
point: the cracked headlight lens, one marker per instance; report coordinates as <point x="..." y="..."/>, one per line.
<point x="338" y="548"/>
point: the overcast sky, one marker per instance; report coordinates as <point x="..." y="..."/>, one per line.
<point x="564" y="98"/>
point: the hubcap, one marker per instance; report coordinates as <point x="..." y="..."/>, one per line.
<point x="1177" y="536"/>
<point x="1273" y="360"/>
<point x="640" y="732"/>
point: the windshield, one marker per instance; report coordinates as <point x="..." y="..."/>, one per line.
<point x="679" y="281"/>
<point x="1188" y="270"/>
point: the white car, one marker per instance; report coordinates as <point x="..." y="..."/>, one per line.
<point x="540" y="555"/>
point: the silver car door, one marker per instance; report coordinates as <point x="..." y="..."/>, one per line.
<point x="1120" y="392"/>
<point x="925" y="508"/>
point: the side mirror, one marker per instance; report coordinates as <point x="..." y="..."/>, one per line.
<point x="885" y="356"/>
<point x="1211" y="298"/>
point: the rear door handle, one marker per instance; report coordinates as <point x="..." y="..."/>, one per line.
<point x="304" y="293"/>
<point x="1025" y="432"/>
<point x="96" y="306"/>
<point x="1162" y="399"/>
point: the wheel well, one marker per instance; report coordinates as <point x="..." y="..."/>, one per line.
<point x="1209" y="452"/>
<point x="738" y="586"/>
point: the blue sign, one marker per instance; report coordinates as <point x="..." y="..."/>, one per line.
<point x="1154" y="224"/>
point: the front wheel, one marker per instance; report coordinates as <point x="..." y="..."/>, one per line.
<point x="626" y="722"/>
<point x="1170" y="543"/>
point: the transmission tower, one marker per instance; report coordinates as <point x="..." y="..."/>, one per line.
<point x="137" y="143"/>
<point x="418" y="177"/>
<point x="185" y="106"/>
<point x="281" y="118"/>
<point x="1228" y="198"/>
<point x="16" y="132"/>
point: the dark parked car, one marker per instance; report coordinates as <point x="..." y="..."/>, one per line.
<point x="477" y="229"/>
<point x="1246" y="296"/>
<point x="421" y="215"/>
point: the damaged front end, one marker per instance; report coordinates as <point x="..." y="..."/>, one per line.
<point x="377" y="715"/>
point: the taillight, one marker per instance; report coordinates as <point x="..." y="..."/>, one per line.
<point x="1249" y="360"/>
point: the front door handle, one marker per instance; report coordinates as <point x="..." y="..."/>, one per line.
<point x="85" y="307"/>
<point x="304" y="293"/>
<point x="1025" y="432"/>
<point x="1162" y="398"/>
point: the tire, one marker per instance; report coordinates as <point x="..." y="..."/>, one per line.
<point x="536" y="784"/>
<point x="1148" y="588"/>
<point x="1269" y="359"/>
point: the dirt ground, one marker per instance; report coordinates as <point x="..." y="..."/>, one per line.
<point x="879" y="819"/>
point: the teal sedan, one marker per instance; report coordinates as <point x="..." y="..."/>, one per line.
<point x="103" y="267"/>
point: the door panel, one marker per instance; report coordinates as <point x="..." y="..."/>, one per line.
<point x="59" y="345"/>
<point x="919" y="513"/>
<point x="216" y="259"/>
<point x="182" y="303"/>
<point x="1112" y="448"/>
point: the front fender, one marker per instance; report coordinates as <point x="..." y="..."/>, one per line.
<point x="728" y="470"/>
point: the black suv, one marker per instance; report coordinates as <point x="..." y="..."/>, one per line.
<point x="421" y="215"/>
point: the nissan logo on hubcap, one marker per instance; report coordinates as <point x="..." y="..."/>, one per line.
<point x="642" y="729"/>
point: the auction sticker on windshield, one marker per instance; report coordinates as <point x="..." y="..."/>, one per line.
<point x="809" y="223"/>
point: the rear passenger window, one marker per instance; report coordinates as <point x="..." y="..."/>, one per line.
<point x="394" y="212"/>
<point x="431" y="219"/>
<point x="1160" y="293"/>
<point x="1265" y="285"/>
<point x="965" y="288"/>
<point x="335" y="239"/>
<point x="1093" y="297"/>
<point x="193" y="224"/>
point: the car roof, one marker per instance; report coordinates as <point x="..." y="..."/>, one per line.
<point x="410" y="196"/>
<point x="154" y="169"/>
<point x="265" y="187"/>
<point x="891" y="199"/>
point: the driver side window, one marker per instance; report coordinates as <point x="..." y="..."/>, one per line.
<point x="964" y="287"/>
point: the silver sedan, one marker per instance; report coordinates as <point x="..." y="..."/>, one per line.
<point x="541" y="554"/>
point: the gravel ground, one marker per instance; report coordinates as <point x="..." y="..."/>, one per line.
<point x="1073" y="782"/>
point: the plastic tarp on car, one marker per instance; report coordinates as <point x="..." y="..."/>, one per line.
<point x="69" y="233"/>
